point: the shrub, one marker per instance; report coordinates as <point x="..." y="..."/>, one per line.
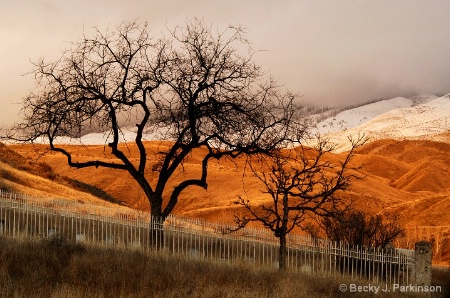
<point x="356" y="228"/>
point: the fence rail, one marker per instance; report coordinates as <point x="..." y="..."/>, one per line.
<point x="23" y="218"/>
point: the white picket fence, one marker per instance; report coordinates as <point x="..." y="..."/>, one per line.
<point x="23" y="217"/>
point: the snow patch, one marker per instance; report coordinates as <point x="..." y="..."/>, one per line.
<point x="354" y="117"/>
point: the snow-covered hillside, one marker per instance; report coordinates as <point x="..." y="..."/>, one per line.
<point x="422" y="117"/>
<point x="127" y="134"/>
<point x="352" y="118"/>
<point x="419" y="117"/>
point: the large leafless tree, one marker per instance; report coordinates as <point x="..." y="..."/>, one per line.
<point x="196" y="86"/>
<point x="302" y="183"/>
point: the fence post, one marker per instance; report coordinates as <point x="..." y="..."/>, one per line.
<point x="423" y="255"/>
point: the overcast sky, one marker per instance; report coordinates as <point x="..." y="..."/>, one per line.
<point x="332" y="52"/>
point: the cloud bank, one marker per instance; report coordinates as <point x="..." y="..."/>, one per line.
<point x="330" y="52"/>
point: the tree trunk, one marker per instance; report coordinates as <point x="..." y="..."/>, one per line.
<point x="282" y="253"/>
<point x="156" y="232"/>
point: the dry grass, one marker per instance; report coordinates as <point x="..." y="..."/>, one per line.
<point x="57" y="268"/>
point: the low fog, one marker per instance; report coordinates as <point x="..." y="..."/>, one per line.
<point x="330" y="52"/>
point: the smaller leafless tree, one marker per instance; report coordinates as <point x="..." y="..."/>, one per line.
<point x="302" y="183"/>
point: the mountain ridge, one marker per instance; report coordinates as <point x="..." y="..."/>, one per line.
<point x="419" y="118"/>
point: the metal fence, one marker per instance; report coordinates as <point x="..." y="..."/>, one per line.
<point x="22" y="217"/>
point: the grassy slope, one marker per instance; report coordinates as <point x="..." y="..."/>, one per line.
<point x="60" y="269"/>
<point x="397" y="174"/>
<point x="409" y="178"/>
<point x="38" y="179"/>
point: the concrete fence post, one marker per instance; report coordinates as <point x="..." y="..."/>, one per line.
<point x="423" y="253"/>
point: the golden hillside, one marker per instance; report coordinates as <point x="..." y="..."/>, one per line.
<point x="410" y="178"/>
<point x="37" y="179"/>
<point x="397" y="173"/>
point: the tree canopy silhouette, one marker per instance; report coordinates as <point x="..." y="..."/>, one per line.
<point x="197" y="87"/>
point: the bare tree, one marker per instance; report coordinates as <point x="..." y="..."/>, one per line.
<point x="302" y="183"/>
<point x="193" y="87"/>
